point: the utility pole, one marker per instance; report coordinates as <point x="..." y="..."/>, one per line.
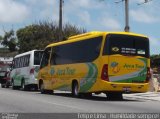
<point x="60" y="19"/>
<point x="126" y="29"/>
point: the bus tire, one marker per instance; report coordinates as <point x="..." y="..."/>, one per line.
<point x="42" y="90"/>
<point x="41" y="87"/>
<point x="75" y="91"/>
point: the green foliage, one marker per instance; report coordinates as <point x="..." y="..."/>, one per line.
<point x="155" y="57"/>
<point x="71" y="30"/>
<point x="4" y="52"/>
<point x="1" y="38"/>
<point x="38" y="36"/>
<point x="9" y="40"/>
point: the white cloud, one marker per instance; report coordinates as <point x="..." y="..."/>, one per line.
<point x="86" y="4"/>
<point x="142" y="16"/>
<point x="50" y="2"/>
<point x="136" y="1"/>
<point x="89" y="14"/>
<point x="81" y="3"/>
<point x="84" y="16"/>
<point x="31" y="2"/>
<point x="42" y="9"/>
<point x="109" y="22"/>
<point x="50" y="12"/>
<point x="12" y="11"/>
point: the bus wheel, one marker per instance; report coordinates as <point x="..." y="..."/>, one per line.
<point x="44" y="91"/>
<point x="114" y="96"/>
<point x="41" y="87"/>
<point x="75" y="92"/>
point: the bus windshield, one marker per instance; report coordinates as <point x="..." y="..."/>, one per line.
<point x="126" y="45"/>
<point x="37" y="57"/>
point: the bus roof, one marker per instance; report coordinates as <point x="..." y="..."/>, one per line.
<point x="25" y="53"/>
<point x="91" y="34"/>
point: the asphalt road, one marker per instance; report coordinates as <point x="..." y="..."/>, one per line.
<point x="15" y="101"/>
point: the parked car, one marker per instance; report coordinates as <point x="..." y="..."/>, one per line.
<point x="5" y="79"/>
<point x="2" y="75"/>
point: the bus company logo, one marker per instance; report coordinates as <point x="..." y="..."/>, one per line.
<point x="115" y="49"/>
<point x="52" y="71"/>
<point x="115" y="67"/>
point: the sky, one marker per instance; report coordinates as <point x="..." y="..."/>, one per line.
<point x="92" y="15"/>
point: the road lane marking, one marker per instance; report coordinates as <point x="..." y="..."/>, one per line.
<point x="62" y="105"/>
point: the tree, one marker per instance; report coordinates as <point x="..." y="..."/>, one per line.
<point x="9" y="40"/>
<point x="38" y="36"/>
<point x="1" y="38"/>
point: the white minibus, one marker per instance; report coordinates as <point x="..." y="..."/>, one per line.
<point x="25" y="69"/>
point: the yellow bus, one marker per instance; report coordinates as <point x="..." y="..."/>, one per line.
<point x="97" y="62"/>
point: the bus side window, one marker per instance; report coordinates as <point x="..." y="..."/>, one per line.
<point x="45" y="57"/>
<point x="53" y="56"/>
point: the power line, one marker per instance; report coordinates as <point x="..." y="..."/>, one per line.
<point x="119" y="1"/>
<point x="145" y="1"/>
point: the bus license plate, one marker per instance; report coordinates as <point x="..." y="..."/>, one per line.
<point x="127" y="89"/>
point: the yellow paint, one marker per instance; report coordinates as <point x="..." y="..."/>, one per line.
<point x="65" y="74"/>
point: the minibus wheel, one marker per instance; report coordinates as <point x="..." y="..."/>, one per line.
<point x="23" y="86"/>
<point x="13" y="87"/>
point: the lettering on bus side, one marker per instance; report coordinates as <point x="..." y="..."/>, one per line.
<point x="66" y="71"/>
<point x="131" y="66"/>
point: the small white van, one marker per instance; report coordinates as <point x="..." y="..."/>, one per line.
<point x="25" y="69"/>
